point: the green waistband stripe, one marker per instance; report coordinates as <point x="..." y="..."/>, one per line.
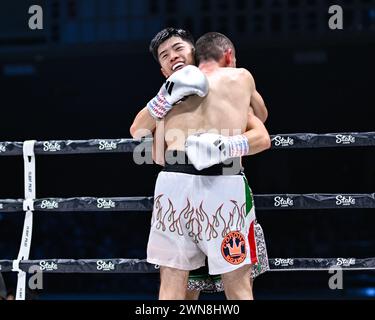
<point x="249" y="197"/>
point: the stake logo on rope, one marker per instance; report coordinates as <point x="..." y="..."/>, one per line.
<point x="344" y="139"/>
<point x="105" y="145"/>
<point x="45" y="266"/>
<point x="284" y="142"/>
<point x="346" y="262"/>
<point x="46" y="204"/>
<point x="281" y="202"/>
<point x="51" y="146"/>
<point x="103" y="266"/>
<point x="105" y="204"/>
<point x="344" y="201"/>
<point x="284" y="262"/>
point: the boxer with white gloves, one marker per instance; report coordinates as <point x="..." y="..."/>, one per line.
<point x="225" y="108"/>
<point x="208" y="212"/>
<point x="183" y="83"/>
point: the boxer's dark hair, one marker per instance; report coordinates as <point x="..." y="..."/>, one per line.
<point x="211" y="46"/>
<point x="164" y="35"/>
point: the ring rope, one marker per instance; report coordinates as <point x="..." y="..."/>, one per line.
<point x="279" y="141"/>
<point x="261" y="201"/>
<point x="298" y="140"/>
<point x="118" y="265"/>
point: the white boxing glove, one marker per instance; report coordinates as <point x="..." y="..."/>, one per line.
<point x="181" y="84"/>
<point x="206" y="149"/>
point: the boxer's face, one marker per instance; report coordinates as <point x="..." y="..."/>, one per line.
<point x="174" y="54"/>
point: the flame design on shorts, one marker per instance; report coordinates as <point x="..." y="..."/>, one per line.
<point x="194" y="224"/>
<point x="193" y="220"/>
<point x="176" y="223"/>
<point x="212" y="233"/>
<point x="159" y="215"/>
<point x="236" y="212"/>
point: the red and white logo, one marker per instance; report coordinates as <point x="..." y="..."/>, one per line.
<point x="233" y="247"/>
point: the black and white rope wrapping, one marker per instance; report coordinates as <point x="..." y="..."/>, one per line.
<point x="261" y="201"/>
<point x="279" y="141"/>
<point x="142" y="266"/>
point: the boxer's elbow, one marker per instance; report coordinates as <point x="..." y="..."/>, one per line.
<point x="264" y="115"/>
<point x="133" y="130"/>
<point x="266" y="141"/>
<point x="139" y="132"/>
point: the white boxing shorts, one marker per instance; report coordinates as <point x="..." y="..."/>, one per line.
<point x="195" y="216"/>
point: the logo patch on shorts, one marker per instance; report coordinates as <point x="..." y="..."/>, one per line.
<point x="233" y="247"/>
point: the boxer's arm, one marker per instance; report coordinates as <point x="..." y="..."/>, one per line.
<point x="144" y="124"/>
<point x="207" y="149"/>
<point x="257" y="135"/>
<point x="258" y="106"/>
<point x="159" y="146"/>
<point x="256" y="101"/>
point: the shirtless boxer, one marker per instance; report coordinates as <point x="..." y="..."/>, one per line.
<point x="199" y="279"/>
<point x="192" y="244"/>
